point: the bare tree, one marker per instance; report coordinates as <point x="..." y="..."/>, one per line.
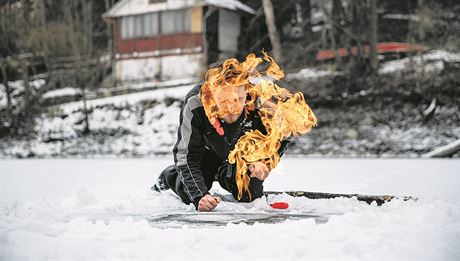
<point x="4" y="65"/>
<point x="109" y="31"/>
<point x="305" y="7"/>
<point x="272" y="31"/>
<point x="24" y="63"/>
<point x="25" y="77"/>
<point x="80" y="41"/>
<point x="373" y="37"/>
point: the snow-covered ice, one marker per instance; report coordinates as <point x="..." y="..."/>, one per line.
<point x="95" y="209"/>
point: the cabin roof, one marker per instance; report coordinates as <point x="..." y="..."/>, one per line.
<point x="136" y="7"/>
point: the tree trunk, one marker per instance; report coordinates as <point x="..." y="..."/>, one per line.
<point x="80" y="48"/>
<point x="7" y="91"/>
<point x="305" y="6"/>
<point x="26" y="11"/>
<point x="87" y="74"/>
<point x="88" y="22"/>
<point x="110" y="46"/>
<point x="43" y="25"/>
<point x="333" y="21"/>
<point x="272" y="31"/>
<point x="25" y="78"/>
<point x="357" y="25"/>
<point x="423" y="19"/>
<point x="86" y="130"/>
<point x="374" y="37"/>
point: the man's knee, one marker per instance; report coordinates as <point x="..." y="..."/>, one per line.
<point x="169" y="176"/>
<point x="226" y="178"/>
<point x="180" y="191"/>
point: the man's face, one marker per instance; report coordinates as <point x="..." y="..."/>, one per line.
<point x="230" y="101"/>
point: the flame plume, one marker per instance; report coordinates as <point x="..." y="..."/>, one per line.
<point x="290" y="116"/>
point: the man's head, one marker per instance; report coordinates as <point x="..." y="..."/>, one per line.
<point x="230" y="102"/>
<point x="224" y="92"/>
<point x="228" y="89"/>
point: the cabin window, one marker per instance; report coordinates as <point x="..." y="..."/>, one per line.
<point x="147" y="25"/>
<point x="150" y="25"/>
<point x="127" y="27"/>
<point x="138" y="26"/>
<point x="177" y="21"/>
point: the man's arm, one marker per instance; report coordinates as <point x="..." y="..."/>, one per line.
<point x="270" y="107"/>
<point x="188" y="151"/>
<point x="284" y="145"/>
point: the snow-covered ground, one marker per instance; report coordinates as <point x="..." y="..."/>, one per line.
<point x="66" y="91"/>
<point x="432" y="61"/>
<point x="17" y="89"/>
<point x="95" y="209"/>
<point x="137" y="124"/>
<point x="310" y="73"/>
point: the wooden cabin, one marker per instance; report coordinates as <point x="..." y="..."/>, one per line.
<point x="163" y="40"/>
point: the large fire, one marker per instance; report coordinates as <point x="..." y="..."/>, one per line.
<point x="289" y="115"/>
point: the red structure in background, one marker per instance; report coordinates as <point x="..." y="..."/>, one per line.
<point x="382" y="48"/>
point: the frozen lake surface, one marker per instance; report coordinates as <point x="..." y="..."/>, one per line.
<point x="96" y="208"/>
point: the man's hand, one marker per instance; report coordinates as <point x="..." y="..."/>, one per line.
<point x="208" y="203"/>
<point x="259" y="170"/>
<point x="269" y="106"/>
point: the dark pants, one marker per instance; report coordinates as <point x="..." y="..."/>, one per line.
<point x="214" y="169"/>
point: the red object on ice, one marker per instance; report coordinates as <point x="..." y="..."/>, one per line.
<point x="280" y="205"/>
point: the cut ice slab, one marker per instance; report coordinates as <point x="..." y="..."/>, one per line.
<point x="230" y="211"/>
<point x="227" y="212"/>
<point x="224" y="218"/>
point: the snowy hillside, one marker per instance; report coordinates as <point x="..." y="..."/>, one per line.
<point x="145" y="123"/>
<point x="98" y="209"/>
<point x="138" y="124"/>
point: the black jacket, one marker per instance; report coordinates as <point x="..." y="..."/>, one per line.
<point x="196" y="134"/>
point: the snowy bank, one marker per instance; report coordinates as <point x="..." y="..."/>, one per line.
<point x="145" y="124"/>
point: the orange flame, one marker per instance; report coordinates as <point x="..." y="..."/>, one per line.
<point x="290" y="116"/>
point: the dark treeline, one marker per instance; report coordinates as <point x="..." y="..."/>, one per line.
<point x="65" y="42"/>
<point x="306" y="26"/>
